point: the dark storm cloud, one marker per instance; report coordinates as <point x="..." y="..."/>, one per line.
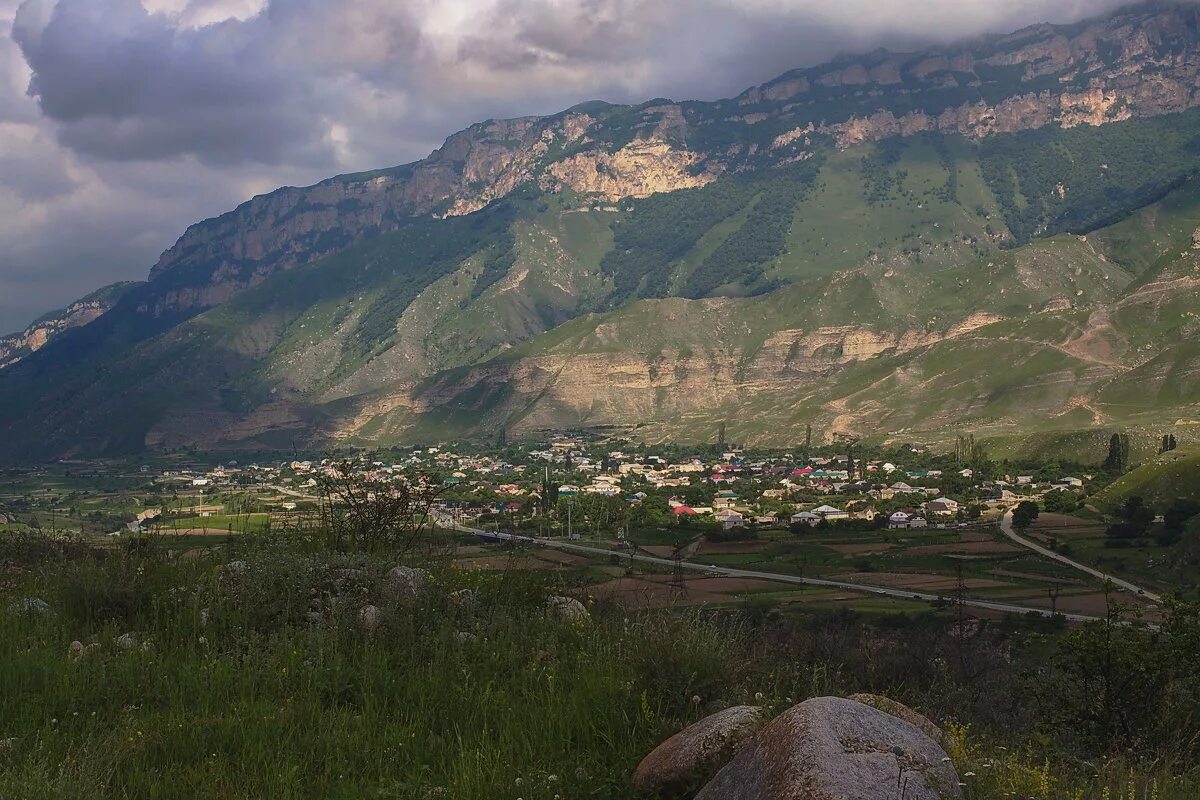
<point x="122" y="121"/>
<point x="127" y="84"/>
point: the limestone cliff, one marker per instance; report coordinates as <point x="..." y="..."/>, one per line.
<point x="1141" y="62"/>
<point x="19" y="345"/>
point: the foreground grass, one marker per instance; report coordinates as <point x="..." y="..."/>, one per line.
<point x="232" y="691"/>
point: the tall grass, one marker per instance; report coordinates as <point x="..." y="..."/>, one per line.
<point x="257" y="680"/>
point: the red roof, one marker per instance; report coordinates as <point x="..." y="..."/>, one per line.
<point x="805" y="471"/>
<point x="681" y="510"/>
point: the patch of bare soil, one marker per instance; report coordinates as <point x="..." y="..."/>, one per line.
<point x="196" y="532"/>
<point x="861" y="549"/>
<point x="963" y="547"/>
<point x="559" y="557"/>
<point x="638" y="593"/>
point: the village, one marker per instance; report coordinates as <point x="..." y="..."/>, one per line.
<point x="899" y="525"/>
<point x="732" y="489"/>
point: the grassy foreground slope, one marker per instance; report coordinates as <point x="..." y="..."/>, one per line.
<point x="250" y="674"/>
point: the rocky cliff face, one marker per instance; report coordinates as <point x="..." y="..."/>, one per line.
<point x="1140" y="63"/>
<point x="19" y="345"/>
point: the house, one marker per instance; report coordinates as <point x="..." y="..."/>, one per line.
<point x="731" y="519"/>
<point x="830" y="513"/>
<point x="806" y="517"/>
<point x="943" y="506"/>
<point x="568" y="490"/>
<point x="1068" y="483"/>
<point x="906" y="520"/>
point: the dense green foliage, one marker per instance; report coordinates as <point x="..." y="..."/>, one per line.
<point x="743" y="257"/>
<point x="660" y="230"/>
<point x="1050" y="180"/>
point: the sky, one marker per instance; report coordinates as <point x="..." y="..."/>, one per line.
<point x="124" y="121"/>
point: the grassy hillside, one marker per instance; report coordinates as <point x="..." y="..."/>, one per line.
<point x="874" y="290"/>
<point x="1159" y="481"/>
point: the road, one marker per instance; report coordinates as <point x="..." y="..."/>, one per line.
<point x="745" y="573"/>
<point x="1006" y="527"/>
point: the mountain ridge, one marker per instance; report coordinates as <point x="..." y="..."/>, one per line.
<point x="838" y="250"/>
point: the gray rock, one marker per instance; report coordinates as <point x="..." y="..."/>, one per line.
<point x="31" y="605"/>
<point x="407" y="583"/>
<point x="897" y="709"/>
<point x="568" y="608"/>
<point x="369" y="618"/>
<point x="829" y="748"/>
<point x="464" y="599"/>
<point x="78" y="649"/>
<point x="696" y="752"/>
<point x="126" y="641"/>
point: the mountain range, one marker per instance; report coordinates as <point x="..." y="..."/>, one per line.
<point x="998" y="237"/>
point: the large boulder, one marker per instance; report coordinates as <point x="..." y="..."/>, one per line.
<point x="407" y="583"/>
<point x="897" y="709"/>
<point x="696" y="752"/>
<point x="830" y="748"/>
<point x="568" y="609"/>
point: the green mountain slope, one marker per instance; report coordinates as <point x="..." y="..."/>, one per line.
<point x="997" y="237"/>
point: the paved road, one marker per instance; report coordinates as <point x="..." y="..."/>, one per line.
<point x="1007" y="527"/>
<point x="745" y="573"/>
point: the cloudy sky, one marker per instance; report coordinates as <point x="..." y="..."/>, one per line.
<point x="122" y="121"/>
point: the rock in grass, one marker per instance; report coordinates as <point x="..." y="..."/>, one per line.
<point x="464" y="599"/>
<point x="695" y="753"/>
<point x="830" y="748"/>
<point x="568" y="608"/>
<point x="897" y="709"/>
<point x="369" y="618"/>
<point x="126" y="641"/>
<point x="31" y="605"/>
<point x="407" y="583"/>
<point x="79" y="650"/>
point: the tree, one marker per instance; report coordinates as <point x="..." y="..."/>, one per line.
<point x="1103" y="685"/>
<point x="1176" y="519"/>
<point x="1060" y="501"/>
<point x="363" y="514"/>
<point x="1024" y="514"/>
<point x="1136" y="517"/>
<point x="1118" y="453"/>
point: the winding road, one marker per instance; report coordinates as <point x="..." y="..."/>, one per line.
<point x="1006" y="527"/>
<point x="971" y="602"/>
